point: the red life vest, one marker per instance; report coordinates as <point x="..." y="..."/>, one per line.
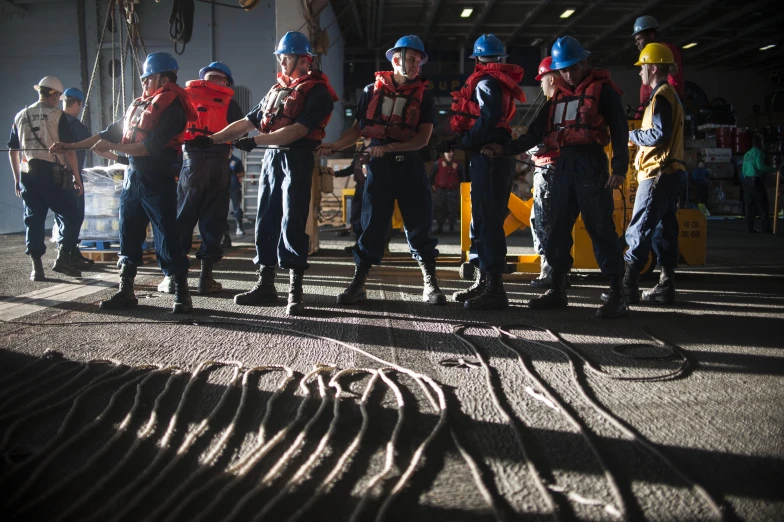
<point x="574" y="113"/>
<point x="393" y="111"/>
<point x="447" y="175"/>
<point x="285" y="102"/>
<point x="545" y="158"/>
<point x="143" y="114"/>
<point x="211" y="102"/>
<point x="465" y="110"/>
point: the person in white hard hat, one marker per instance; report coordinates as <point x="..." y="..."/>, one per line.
<point x="46" y="181"/>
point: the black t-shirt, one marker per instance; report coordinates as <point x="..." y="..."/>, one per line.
<point x="163" y="159"/>
<point x="427" y="112"/>
<point x="318" y="105"/>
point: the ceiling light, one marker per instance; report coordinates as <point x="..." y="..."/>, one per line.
<point x="537" y="41"/>
<point x="771" y="46"/>
<point x="690" y="45"/>
<point x="442" y="112"/>
<point x="567" y="13"/>
<point x="466" y="13"/>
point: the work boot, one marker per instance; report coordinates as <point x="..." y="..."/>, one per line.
<point x="355" y="292"/>
<point x="295" y="305"/>
<point x="240" y="231"/>
<point x="431" y="293"/>
<point x="182" y="295"/>
<point x="124" y="298"/>
<point x="207" y="285"/>
<point x="555" y="297"/>
<point x="545" y="278"/>
<point x="166" y="286"/>
<point x="664" y="291"/>
<point x="474" y="290"/>
<point x="630" y="287"/>
<point x="79" y="261"/>
<point x="493" y="298"/>
<point x="226" y="240"/>
<point x="615" y="306"/>
<point x="38" y="270"/>
<point x="263" y="292"/>
<point x="63" y="263"/>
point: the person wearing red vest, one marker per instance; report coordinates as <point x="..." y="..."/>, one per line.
<point x="203" y="186"/>
<point x="446" y="178"/>
<point x="583" y="117"/>
<point x="294" y="113"/>
<point x="397" y="113"/>
<point x="151" y="135"/>
<point x="482" y="111"/>
<point x="646" y="31"/>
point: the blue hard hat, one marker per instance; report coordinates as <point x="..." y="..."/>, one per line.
<point x="643" y="23"/>
<point x="488" y="45"/>
<point x="157" y="63"/>
<point x="566" y="52"/>
<point x="294" y="42"/>
<point x="218" y="67"/>
<point x="411" y="41"/>
<point x="73" y="92"/>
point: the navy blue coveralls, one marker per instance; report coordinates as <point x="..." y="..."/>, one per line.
<point x="284" y="189"/>
<point x="654" y="222"/>
<point x="203" y="194"/>
<point x="491" y="180"/>
<point x="235" y="188"/>
<point x="397" y="176"/>
<point x="578" y="186"/>
<point x="150" y="195"/>
<point x="80" y="133"/>
<point x="40" y="193"/>
<point x="355" y="169"/>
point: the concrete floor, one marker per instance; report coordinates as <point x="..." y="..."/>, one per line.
<point x="532" y="432"/>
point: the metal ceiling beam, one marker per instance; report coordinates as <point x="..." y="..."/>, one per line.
<point x="733" y="54"/>
<point x="431" y="14"/>
<point x="528" y="16"/>
<point x="765" y="57"/>
<point x="623" y="21"/>
<point x="732" y="16"/>
<point x="489" y="4"/>
<point x="671" y="22"/>
<point x="357" y="21"/>
<point x="572" y="22"/>
<point x="750" y="30"/>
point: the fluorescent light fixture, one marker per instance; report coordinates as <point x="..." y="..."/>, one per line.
<point x="690" y="45"/>
<point x="536" y="41"/>
<point x="466" y="13"/>
<point x="349" y="112"/>
<point x="442" y="111"/>
<point x="567" y="13"/>
<point x="771" y="46"/>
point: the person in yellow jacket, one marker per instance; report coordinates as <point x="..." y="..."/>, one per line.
<point x="659" y="165"/>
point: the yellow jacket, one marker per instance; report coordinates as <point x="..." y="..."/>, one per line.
<point x="666" y="157"/>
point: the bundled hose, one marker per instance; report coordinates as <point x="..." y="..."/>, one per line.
<point x="181" y="24"/>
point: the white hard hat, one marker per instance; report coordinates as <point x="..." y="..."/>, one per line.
<point x="50" y="82"/>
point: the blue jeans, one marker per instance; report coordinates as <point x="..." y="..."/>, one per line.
<point x="39" y="194"/>
<point x="283" y="206"/>
<point x="203" y="198"/>
<point x="79" y="218"/>
<point x="356" y="208"/>
<point x="145" y="199"/>
<point x="541" y="213"/>
<point x="578" y="187"/>
<point x="654" y="222"/>
<point x="403" y="178"/>
<point x="491" y="184"/>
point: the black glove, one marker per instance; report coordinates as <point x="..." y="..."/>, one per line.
<point x="202" y="142"/>
<point x="123" y="160"/>
<point x="446" y="146"/>
<point x="246" y="144"/>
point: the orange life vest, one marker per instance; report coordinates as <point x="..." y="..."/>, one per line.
<point x="143" y="114"/>
<point x="465" y="110"/>
<point x="211" y="102"/>
<point x="393" y="110"/>
<point x="447" y="175"/>
<point x="285" y="102"/>
<point x="574" y="113"/>
<point x="545" y="158"/>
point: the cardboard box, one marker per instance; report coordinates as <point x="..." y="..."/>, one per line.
<point x="720" y="170"/>
<point x="715" y="155"/>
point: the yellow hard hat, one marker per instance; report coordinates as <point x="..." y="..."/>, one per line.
<point x="656" y="53"/>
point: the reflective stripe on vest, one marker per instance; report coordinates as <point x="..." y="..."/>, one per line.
<point x="393" y="111"/>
